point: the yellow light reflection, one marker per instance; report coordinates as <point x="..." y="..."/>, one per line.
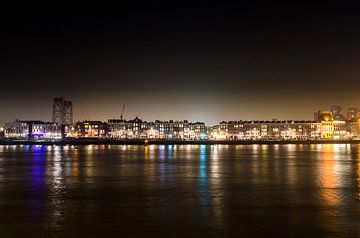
<point x="327" y="173"/>
<point x="57" y="187"/>
<point x="146" y="152"/>
<point x="75" y="165"/>
<point x="215" y="184"/>
<point x="358" y="175"/>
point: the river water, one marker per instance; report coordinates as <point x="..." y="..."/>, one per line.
<point x="180" y="191"/>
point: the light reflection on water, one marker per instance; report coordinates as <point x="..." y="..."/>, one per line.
<point x="180" y="190"/>
<point x="37" y="181"/>
<point x="328" y="178"/>
<point x="357" y="172"/>
<point x="203" y="180"/>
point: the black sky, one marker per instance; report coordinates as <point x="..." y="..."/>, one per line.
<point x="207" y="61"/>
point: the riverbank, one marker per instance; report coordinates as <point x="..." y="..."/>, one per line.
<point x="169" y="142"/>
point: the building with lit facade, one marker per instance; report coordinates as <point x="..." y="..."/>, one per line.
<point x="117" y="128"/>
<point x="89" y="129"/>
<point x="353" y="128"/>
<point x="326" y="120"/>
<point x="33" y="129"/>
<point x="170" y="130"/>
<point x="16" y="129"/>
<point x="266" y="130"/>
<point x="284" y="130"/>
<point x="324" y="126"/>
<point x="131" y="129"/>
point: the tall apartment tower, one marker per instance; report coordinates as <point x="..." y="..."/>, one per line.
<point x="62" y="111"/>
<point x="68" y="113"/>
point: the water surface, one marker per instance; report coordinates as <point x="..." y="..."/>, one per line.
<point x="180" y="191"/>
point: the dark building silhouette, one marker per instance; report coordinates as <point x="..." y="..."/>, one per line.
<point x="337" y="113"/>
<point x="353" y="114"/>
<point x="62" y="112"/>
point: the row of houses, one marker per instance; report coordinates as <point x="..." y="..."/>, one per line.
<point x="113" y="129"/>
<point x="139" y="129"/>
<point x="20" y="129"/>
<point x="284" y="130"/>
<point x="323" y="128"/>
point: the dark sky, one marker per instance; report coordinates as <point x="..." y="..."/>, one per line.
<point x="207" y="61"/>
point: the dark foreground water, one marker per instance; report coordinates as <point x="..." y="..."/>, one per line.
<point x="180" y="191"/>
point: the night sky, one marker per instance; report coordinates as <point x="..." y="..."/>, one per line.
<point x="206" y="61"/>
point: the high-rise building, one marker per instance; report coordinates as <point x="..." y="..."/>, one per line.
<point x="57" y="110"/>
<point x="68" y="113"/>
<point x="62" y="112"/>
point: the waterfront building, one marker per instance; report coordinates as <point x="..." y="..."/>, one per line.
<point x="138" y="128"/>
<point x="118" y="128"/>
<point x="195" y="131"/>
<point x="266" y="130"/>
<point x="131" y="129"/>
<point x="326" y="120"/>
<point x="90" y="129"/>
<point x="62" y="112"/>
<point x="16" y="129"/>
<point x="340" y="130"/>
<point x="326" y="126"/>
<point x="327" y="129"/>
<point x="353" y="129"/>
<point x="169" y="130"/>
<point x="45" y="130"/>
<point x="180" y="130"/>
<point x="33" y="129"/>
<point x="333" y="128"/>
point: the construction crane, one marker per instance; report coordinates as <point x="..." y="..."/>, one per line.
<point x="122" y="112"/>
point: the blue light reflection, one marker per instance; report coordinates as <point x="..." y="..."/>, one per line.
<point x="37" y="181"/>
<point x="203" y="181"/>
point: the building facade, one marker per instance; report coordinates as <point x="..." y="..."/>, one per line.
<point x="33" y="129"/>
<point x="169" y="130"/>
<point x="89" y="129"/>
<point x="325" y="127"/>
<point x="266" y="130"/>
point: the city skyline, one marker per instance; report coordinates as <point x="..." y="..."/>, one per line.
<point x="152" y="117"/>
<point x="324" y="126"/>
<point x="122" y="112"/>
